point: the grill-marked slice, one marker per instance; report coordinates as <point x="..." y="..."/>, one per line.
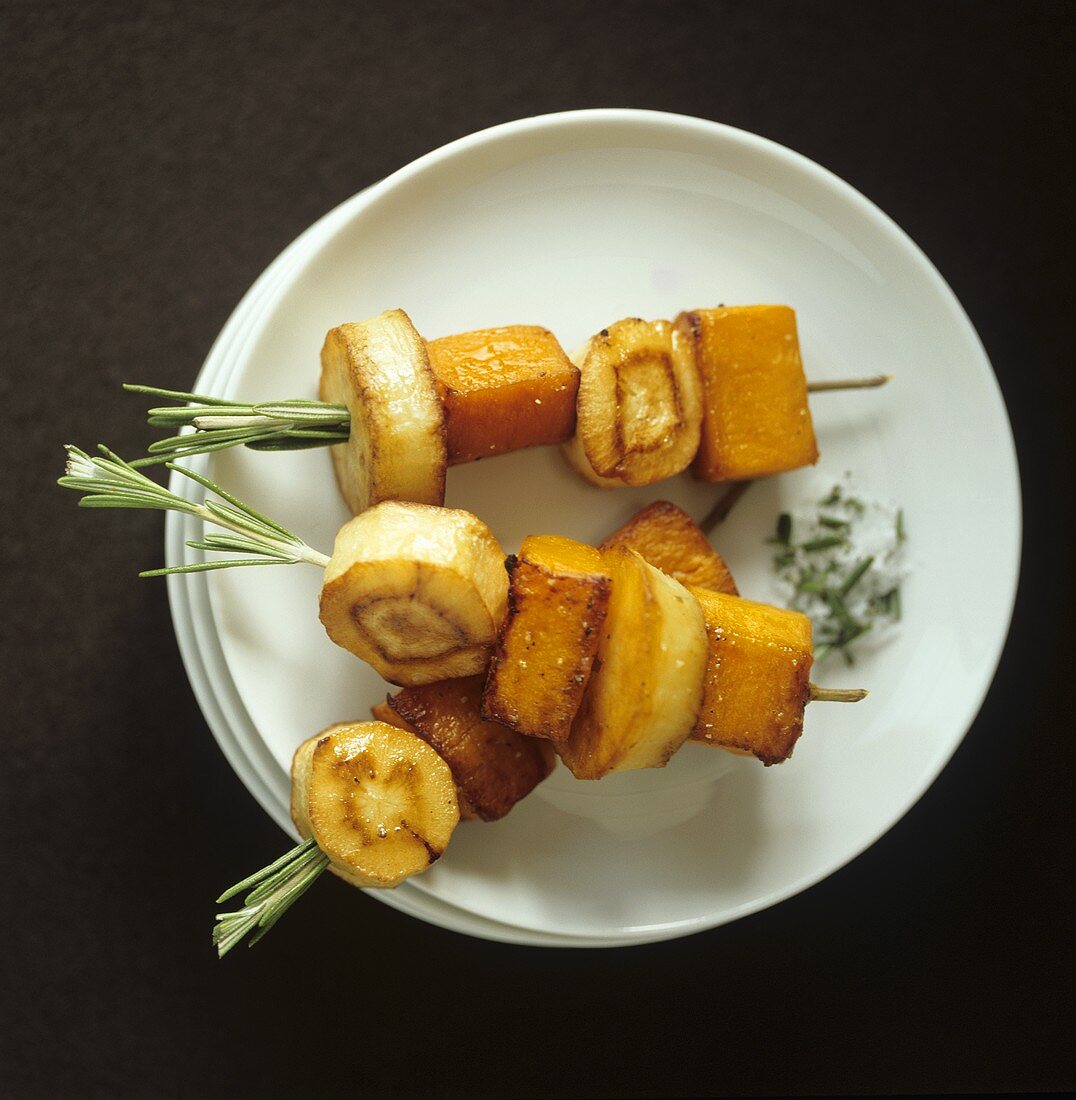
<point x="639" y="409"/>
<point x="380" y="803"/>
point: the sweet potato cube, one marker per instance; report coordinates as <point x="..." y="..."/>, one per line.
<point x="757" y="676"/>
<point x="493" y="766"/>
<point x="755" y="416"/>
<point x="558" y="595"/>
<point x="668" y="538"/>
<point x="503" y="389"/>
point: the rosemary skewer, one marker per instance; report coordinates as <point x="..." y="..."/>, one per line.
<point x="291" y="424"/>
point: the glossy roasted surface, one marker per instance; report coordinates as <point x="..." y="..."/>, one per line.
<point x="756" y="420"/>
<point x="493" y="766"/>
<point x="757" y="671"/>
<point x="667" y="537"/>
<point x="558" y="595"/>
<point x="503" y="389"/>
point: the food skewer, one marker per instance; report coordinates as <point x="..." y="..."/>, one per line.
<point x="722" y="390"/>
<point x="377" y="802"/>
<point x="417" y="591"/>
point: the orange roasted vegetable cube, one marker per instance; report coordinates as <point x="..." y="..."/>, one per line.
<point x="503" y="389"/>
<point x="755" y="416"/>
<point x="493" y="766"/>
<point x="757" y="676"/>
<point x="558" y="595"/>
<point x="668" y="538"/>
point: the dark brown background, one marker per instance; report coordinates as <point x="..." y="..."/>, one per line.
<point x="154" y="158"/>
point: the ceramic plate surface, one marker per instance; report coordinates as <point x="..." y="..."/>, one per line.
<point x="572" y="221"/>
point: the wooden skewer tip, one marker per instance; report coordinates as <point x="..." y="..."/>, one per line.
<point x="836" y="695"/>
<point x="872" y="382"/>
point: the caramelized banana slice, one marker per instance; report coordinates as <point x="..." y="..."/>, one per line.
<point x="418" y="592"/>
<point x="639" y="410"/>
<point x="380" y="803"/>
<point x="396" y="449"/>
<point x="646" y="685"/>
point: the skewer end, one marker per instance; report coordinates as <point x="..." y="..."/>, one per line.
<point x="836" y="695"/>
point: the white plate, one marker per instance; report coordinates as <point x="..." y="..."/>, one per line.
<point x="572" y="221"/>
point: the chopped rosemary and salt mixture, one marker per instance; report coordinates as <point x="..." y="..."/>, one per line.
<point x="841" y="561"/>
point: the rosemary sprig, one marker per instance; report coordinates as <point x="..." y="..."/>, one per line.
<point x="110" y="482"/>
<point x="219" y="424"/>
<point x="273" y="891"/>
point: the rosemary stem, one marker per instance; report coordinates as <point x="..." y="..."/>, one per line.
<point x="107" y="481"/>
<point x="720" y="511"/>
<point x="302" y="553"/>
<point x="836" y="695"/>
<point x="220" y="423"/>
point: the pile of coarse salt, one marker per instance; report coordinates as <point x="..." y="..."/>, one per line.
<point x="842" y="561"/>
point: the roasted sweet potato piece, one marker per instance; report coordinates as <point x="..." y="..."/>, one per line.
<point x="668" y="538"/>
<point x="558" y="594"/>
<point x="503" y="389"/>
<point x="493" y="766"/>
<point x="757" y="676"/>
<point x="755" y="416"/>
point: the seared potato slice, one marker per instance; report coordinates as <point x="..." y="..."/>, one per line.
<point x="757" y="676"/>
<point x="396" y="448"/>
<point x="646" y="685"/>
<point x="639" y="409"/>
<point x="503" y="389"/>
<point x="380" y="803"/>
<point x="558" y="594"/>
<point x="668" y="538"/>
<point x="755" y="415"/>
<point x="418" y="592"/>
<point x="493" y="766"/>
